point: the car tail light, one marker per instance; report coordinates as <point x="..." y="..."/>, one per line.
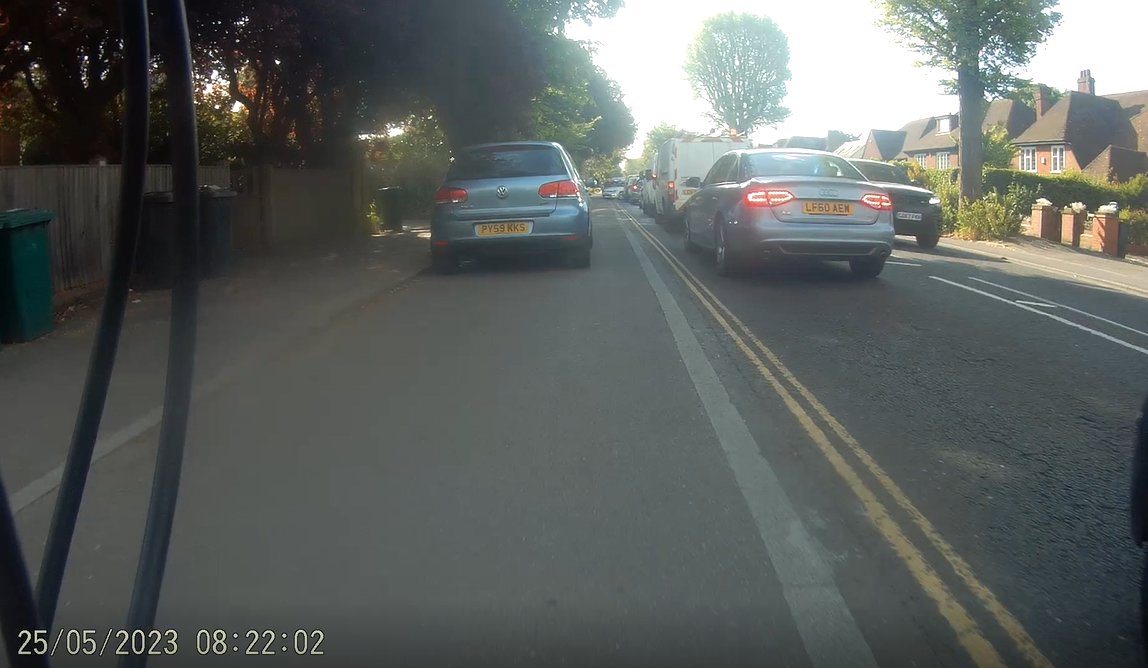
<point x="878" y="201"/>
<point x="768" y="197"/>
<point x="669" y="185"/>
<point x="556" y="189"/>
<point x="446" y="195"/>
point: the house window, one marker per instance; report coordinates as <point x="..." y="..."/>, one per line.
<point x="944" y="125"/>
<point x="1028" y="159"/>
<point x="942" y="161"/>
<point x="1057" y="159"/>
<point x="922" y="159"/>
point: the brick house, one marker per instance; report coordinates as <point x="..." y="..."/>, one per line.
<point x="1103" y="135"/>
<point x="932" y="142"/>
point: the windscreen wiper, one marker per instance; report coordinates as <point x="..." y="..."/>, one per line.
<point x="20" y="613"/>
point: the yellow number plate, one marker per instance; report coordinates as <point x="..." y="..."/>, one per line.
<point x="501" y="229"/>
<point x="827" y="208"/>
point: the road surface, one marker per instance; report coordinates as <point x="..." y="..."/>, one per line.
<point x="645" y="464"/>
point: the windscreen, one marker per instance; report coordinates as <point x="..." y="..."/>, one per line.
<point x="879" y="171"/>
<point x="500" y="162"/>
<point x="801" y="164"/>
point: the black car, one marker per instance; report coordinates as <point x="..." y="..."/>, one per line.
<point x="916" y="210"/>
<point x="633" y="192"/>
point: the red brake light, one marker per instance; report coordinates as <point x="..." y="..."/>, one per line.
<point x="669" y="185"/>
<point x="556" y="189"/>
<point x="766" y="197"/>
<point x="446" y="195"/>
<point x="878" y="201"/>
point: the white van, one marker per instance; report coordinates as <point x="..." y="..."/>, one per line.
<point x="649" y="192"/>
<point x="680" y="167"/>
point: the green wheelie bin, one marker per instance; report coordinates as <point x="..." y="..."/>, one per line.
<point x="25" y="275"/>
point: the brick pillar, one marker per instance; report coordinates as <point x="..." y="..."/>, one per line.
<point x="1106" y="234"/>
<point x="1044" y="223"/>
<point x="1071" y="227"/>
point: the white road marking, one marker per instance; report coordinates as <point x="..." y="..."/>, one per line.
<point x="1102" y="282"/>
<point x="904" y="264"/>
<point x="823" y="619"/>
<point x="1049" y="302"/>
<point x="1106" y="337"/>
<point x="1028" y="303"/>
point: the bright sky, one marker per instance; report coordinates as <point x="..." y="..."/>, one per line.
<point x="869" y="81"/>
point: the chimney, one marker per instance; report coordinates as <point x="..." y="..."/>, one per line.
<point x="1086" y="84"/>
<point x="1043" y="100"/>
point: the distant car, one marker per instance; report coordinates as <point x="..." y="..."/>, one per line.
<point x="613" y="188"/>
<point x="633" y="191"/>
<point x="514" y="197"/>
<point x="760" y="204"/>
<point x="916" y="210"/>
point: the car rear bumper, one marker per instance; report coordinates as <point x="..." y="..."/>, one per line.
<point x="504" y="246"/>
<point x="763" y="240"/>
<point x="567" y="228"/>
<point x="930" y="223"/>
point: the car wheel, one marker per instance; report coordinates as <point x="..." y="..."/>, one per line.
<point x="579" y="259"/>
<point x="688" y="241"/>
<point x="726" y="264"/>
<point x="867" y="267"/>
<point x="928" y="241"/>
<point x="444" y="263"/>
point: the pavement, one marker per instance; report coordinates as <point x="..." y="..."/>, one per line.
<point x="640" y="463"/>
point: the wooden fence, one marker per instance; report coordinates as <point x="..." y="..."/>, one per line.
<point x="85" y="202"/>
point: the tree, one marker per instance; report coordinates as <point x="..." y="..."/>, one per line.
<point x="67" y="57"/>
<point x="739" y="64"/>
<point x="551" y="16"/>
<point x="997" y="148"/>
<point x="580" y="107"/>
<point x="982" y="41"/>
<point x="1025" y="93"/>
<point x="835" y="139"/>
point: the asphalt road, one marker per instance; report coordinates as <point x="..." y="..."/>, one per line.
<point x="645" y="464"/>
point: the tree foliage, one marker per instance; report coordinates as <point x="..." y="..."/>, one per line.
<point x="835" y="139"/>
<point x="1025" y="92"/>
<point x="553" y="15"/>
<point x="997" y="147"/>
<point x="983" y="42"/>
<point x="310" y="75"/>
<point x="739" y="65"/>
<point x="66" y="56"/>
<point x="580" y="106"/>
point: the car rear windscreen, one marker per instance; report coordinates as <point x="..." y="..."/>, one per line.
<point x="883" y="172"/>
<point x="801" y="164"/>
<point x="503" y="162"/>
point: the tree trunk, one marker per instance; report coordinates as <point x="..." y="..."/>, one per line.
<point x="971" y="93"/>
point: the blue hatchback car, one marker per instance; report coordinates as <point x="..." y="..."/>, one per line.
<point x="509" y="198"/>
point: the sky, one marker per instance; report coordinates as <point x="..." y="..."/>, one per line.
<point x="866" y="81"/>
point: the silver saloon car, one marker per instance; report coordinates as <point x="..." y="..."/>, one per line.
<point x="757" y="205"/>
<point x="513" y="197"/>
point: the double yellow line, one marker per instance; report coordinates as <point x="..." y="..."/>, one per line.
<point x="773" y="371"/>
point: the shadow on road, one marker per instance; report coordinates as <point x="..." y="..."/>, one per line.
<point x="515" y="264"/>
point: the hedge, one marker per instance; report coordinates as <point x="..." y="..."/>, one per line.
<point x="1060" y="189"/>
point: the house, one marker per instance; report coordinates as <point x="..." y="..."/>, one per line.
<point x="851" y="149"/>
<point x="1103" y="135"/>
<point x="932" y="142"/>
